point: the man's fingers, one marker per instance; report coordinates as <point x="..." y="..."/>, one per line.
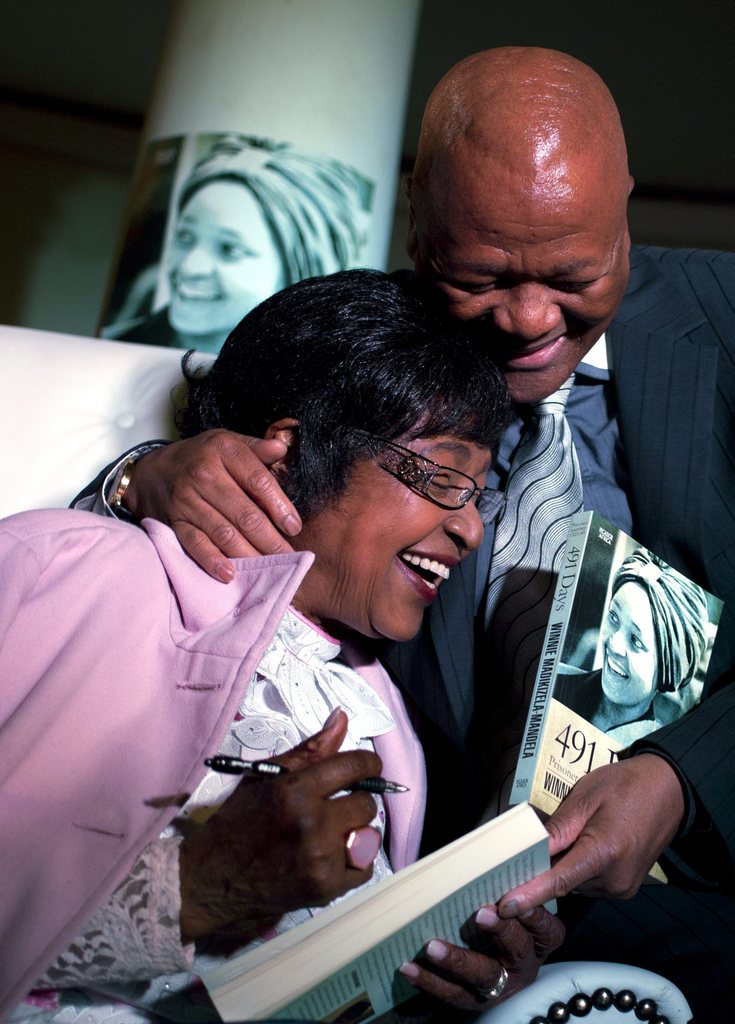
<point x="247" y="460"/>
<point x="550" y="885"/>
<point x="264" y="487"/>
<point x="217" y="492"/>
<point x="199" y="547"/>
<point x="212" y="539"/>
<point x="566" y="825"/>
<point x="239" y="514"/>
<point x="578" y="869"/>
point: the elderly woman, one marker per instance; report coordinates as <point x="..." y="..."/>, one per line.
<point x="252" y="217"/>
<point x="126" y="667"/>
<point x="653" y="637"/>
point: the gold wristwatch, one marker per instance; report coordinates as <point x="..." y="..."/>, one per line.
<point x="127" y="475"/>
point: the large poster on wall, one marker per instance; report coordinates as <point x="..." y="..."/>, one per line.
<point x="218" y="222"/>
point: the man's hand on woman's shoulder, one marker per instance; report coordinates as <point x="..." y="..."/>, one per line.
<point x="216" y="492"/>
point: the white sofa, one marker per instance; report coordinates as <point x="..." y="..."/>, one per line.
<point x="70" y="405"/>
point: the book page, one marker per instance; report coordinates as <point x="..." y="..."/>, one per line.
<point x="370" y="985"/>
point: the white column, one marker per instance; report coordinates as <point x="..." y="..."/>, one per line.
<point x="300" y="101"/>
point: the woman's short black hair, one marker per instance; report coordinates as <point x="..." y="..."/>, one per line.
<point x="351" y="350"/>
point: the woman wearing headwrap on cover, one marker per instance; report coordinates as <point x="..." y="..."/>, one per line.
<point x="653" y="638"/>
<point x="253" y="217"/>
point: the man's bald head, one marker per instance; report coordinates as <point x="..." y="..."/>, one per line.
<point x="518" y="208"/>
<point x="536" y="108"/>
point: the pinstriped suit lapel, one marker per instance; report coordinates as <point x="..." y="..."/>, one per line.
<point x="666" y="436"/>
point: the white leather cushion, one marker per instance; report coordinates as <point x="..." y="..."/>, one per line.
<point x="70" y="405"/>
<point x="559" y="982"/>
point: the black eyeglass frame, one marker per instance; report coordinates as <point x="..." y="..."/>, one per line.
<point x="419" y="474"/>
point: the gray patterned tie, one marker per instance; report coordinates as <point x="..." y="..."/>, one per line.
<point x="543" y="491"/>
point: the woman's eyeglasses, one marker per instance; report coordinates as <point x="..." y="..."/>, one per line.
<point x="446" y="487"/>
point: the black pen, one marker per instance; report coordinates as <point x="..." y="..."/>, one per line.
<point x="236" y="766"/>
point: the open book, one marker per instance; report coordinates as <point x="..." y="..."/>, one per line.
<point x="626" y="650"/>
<point x="342" y="964"/>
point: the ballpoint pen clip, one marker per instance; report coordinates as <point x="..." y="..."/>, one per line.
<point x="236" y="766"/>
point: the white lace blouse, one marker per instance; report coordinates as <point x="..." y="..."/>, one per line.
<point x="129" y="964"/>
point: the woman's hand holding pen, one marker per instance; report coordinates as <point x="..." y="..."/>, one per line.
<point x="278" y="844"/>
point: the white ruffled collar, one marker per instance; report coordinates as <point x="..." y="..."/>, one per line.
<point x="299" y="681"/>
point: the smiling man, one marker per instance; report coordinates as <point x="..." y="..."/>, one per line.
<point x="518" y="227"/>
<point x="524" y="232"/>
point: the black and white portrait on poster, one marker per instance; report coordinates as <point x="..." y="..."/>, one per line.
<point x="221" y="221"/>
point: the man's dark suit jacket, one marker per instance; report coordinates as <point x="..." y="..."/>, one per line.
<point x="673" y="359"/>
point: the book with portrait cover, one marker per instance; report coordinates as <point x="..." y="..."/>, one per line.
<point x="625" y="652"/>
<point x="342" y="964"/>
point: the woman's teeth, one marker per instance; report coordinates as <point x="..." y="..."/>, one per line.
<point x="428" y="565"/>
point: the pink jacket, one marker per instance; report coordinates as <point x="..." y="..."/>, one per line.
<point x="121" y="667"/>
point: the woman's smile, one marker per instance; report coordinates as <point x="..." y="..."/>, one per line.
<point x="395" y="545"/>
<point x="615" y="665"/>
<point x="426" y="567"/>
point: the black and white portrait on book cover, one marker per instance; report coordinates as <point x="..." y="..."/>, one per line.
<point x="638" y="641"/>
<point x="626" y="651"/>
